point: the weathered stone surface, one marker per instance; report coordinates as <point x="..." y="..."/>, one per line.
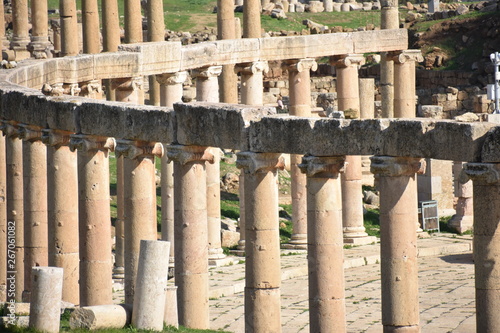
<point x="391" y="137"/>
<point x="227" y="124"/>
<point x="101" y="316"/>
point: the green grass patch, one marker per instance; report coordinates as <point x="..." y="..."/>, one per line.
<point x="230" y="209"/>
<point x="372" y="222"/>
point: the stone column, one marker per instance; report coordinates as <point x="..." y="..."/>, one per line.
<point x="171" y="87"/>
<point x="463" y="219"/>
<point x="251" y="19"/>
<point x="40" y="46"/>
<point x="486" y="186"/>
<point x="252" y="87"/>
<point x="207" y="90"/>
<point x="325" y="243"/>
<point x="389" y="20"/>
<point x="299" y="79"/>
<point x="119" y="267"/>
<point x="90" y="21"/>
<point x="398" y="240"/>
<point x="191" y="233"/>
<point x="404" y="82"/>
<point x="207" y="85"/>
<point x="56" y="37"/>
<point x="62" y="194"/>
<point x="226" y="29"/>
<point x="352" y="194"/>
<point x="139" y="203"/>
<point x="45" y="308"/>
<point x="3" y="220"/>
<point x="130" y="90"/>
<point x="15" y="205"/>
<point x="94" y="218"/>
<point x="4" y="42"/>
<point x="156" y="33"/>
<point x="69" y="28"/>
<point x="110" y="35"/>
<point x="110" y="25"/>
<point x="262" y="265"/>
<point x="133" y="21"/>
<point x="367" y="98"/>
<point x="152" y="275"/>
<point x="35" y="203"/>
<point x="20" y="25"/>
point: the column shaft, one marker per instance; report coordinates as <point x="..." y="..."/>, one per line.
<point x="389" y="20"/>
<point x="486" y="188"/>
<point x="110" y="25"/>
<point x="40" y="29"/>
<point x="35" y="204"/>
<point x="367" y="98"/>
<point x="133" y="21"/>
<point x="20" y="25"/>
<point x="207" y="85"/>
<point x="119" y="269"/>
<point x="191" y="234"/>
<point x="299" y="79"/>
<point x="252" y="86"/>
<point x="228" y="81"/>
<point x="463" y="218"/>
<point x="94" y="219"/>
<point x="251" y="19"/>
<point x="15" y="207"/>
<point x="404" y="83"/>
<point x="325" y="243"/>
<point x="62" y="195"/>
<point x="91" y="32"/>
<point x="139" y="205"/>
<point x="69" y="28"/>
<point x="3" y="39"/>
<point x="156" y="33"/>
<point x="398" y="241"/>
<point x="129" y="90"/>
<point x="262" y="245"/>
<point x="171" y="87"/>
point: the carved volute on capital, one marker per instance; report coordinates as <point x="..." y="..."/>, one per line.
<point x="128" y="83"/>
<point x="322" y="166"/>
<point x="252" y="67"/>
<point x="389" y="166"/>
<point x="170" y="79"/>
<point x="207" y="72"/>
<point x="56" y="138"/>
<point x="90" y="143"/>
<point x="259" y="162"/>
<point x="401" y="57"/>
<point x="72" y="89"/>
<point x="135" y="149"/>
<point x="300" y="65"/>
<point x="481" y="173"/>
<point x="10" y="129"/>
<point x="347" y="60"/>
<point x="30" y="133"/>
<point x="186" y="154"/>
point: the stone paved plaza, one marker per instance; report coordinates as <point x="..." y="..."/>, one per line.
<point x="446" y="289"/>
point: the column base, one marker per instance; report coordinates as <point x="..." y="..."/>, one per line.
<point x="40" y="47"/>
<point x="20" y="46"/>
<point x="215" y="255"/>
<point x="297" y="242"/>
<point x="461" y="223"/>
<point x="119" y="273"/>
<point x="363" y="240"/>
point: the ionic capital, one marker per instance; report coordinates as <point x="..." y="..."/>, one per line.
<point x="134" y="149"/>
<point x="322" y="166"/>
<point x="347" y="60"/>
<point x="72" y="89"/>
<point x="300" y="65"/>
<point x="92" y="87"/>
<point x="400" y="57"/>
<point x="10" y="129"/>
<point x="53" y="90"/>
<point x="186" y="154"/>
<point x="259" y="162"/>
<point x="91" y="143"/>
<point x="397" y="166"/>
<point x="208" y="72"/>
<point x="171" y="79"/>
<point x="128" y="83"/>
<point x="30" y="133"/>
<point x="481" y="173"/>
<point x="55" y="138"/>
<point x="253" y="67"/>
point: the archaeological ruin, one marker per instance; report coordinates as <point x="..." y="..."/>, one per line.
<point x="64" y="110"/>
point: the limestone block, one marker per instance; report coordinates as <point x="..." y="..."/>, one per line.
<point x="315" y="7"/>
<point x="229" y="238"/>
<point x="299" y="8"/>
<point x="328" y="4"/>
<point x="419" y="138"/>
<point x="111" y="66"/>
<point x="431" y="111"/>
<point x="156" y="57"/>
<point x="76" y="69"/>
<point x="101" y="316"/>
<point x="337" y="7"/>
<point x="382" y="40"/>
<point x="227" y="123"/>
<point x="345" y="7"/>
